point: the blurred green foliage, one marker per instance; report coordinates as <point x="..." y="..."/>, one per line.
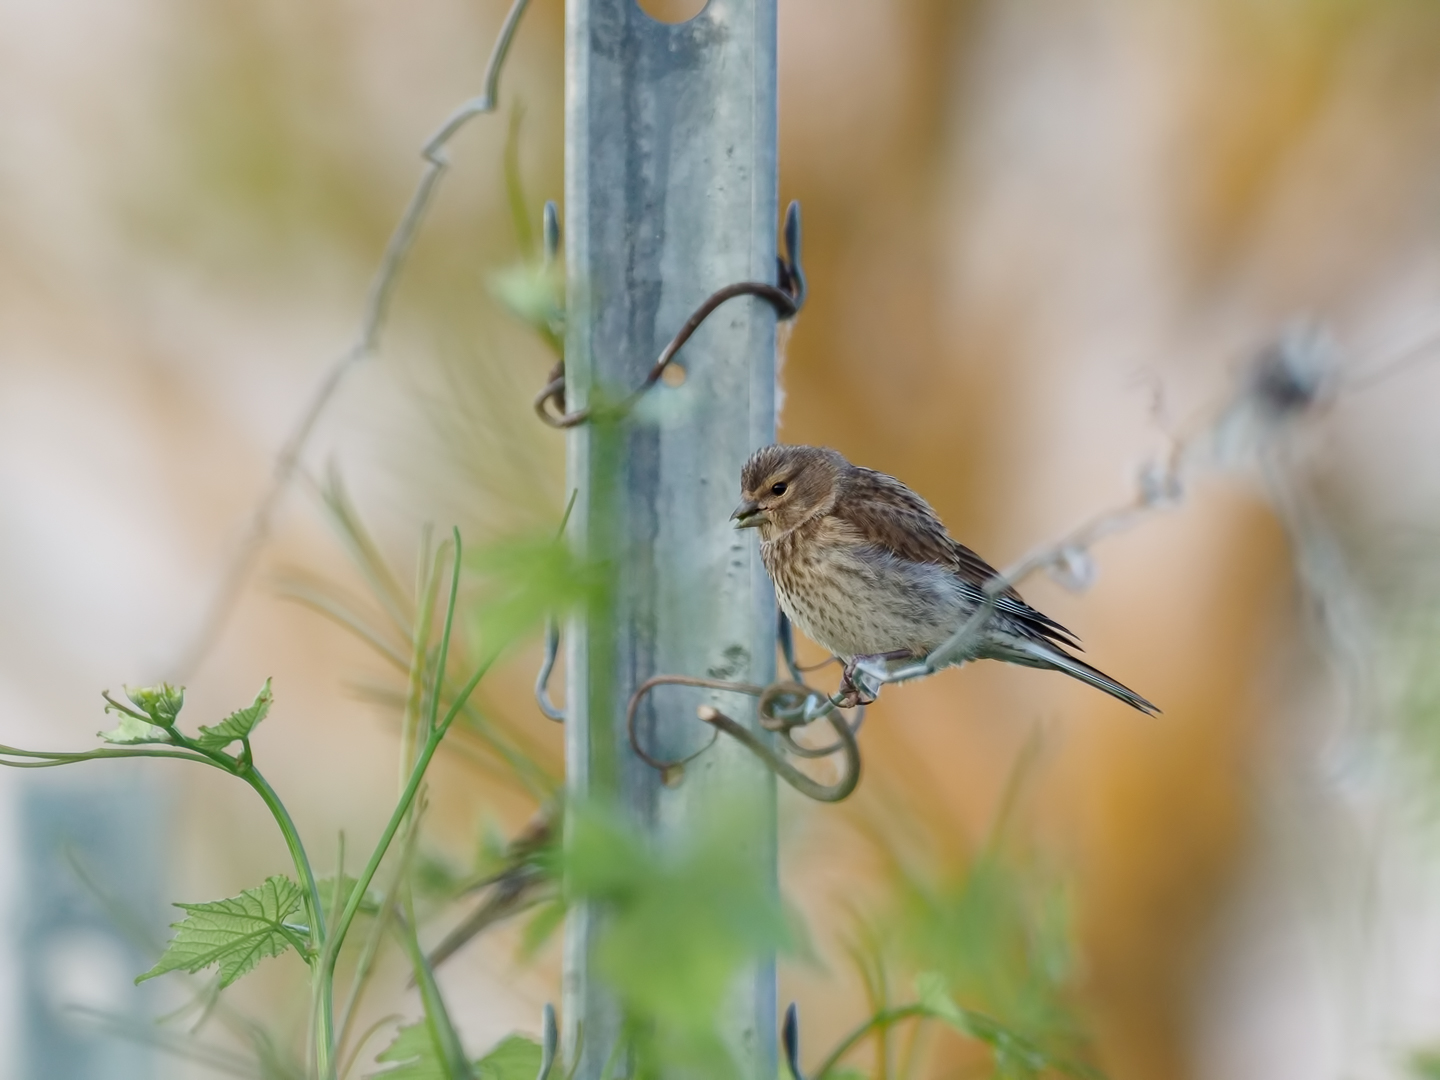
<point x="413" y="1056"/>
<point x="517" y="583"/>
<point x="678" y="926"/>
<point x="1000" y="936"/>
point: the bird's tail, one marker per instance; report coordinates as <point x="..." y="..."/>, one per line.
<point x="1043" y="654"/>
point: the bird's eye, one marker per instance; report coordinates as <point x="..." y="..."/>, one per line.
<point x="778" y="489"/>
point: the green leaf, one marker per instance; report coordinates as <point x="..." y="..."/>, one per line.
<point x="521" y="581"/>
<point x="413" y="1054"/>
<point x="162" y="704"/>
<point x="133" y="730"/>
<point x="533" y="292"/>
<point x="236" y="933"/>
<point x="239" y="724"/>
<point x="159" y="707"/>
<point x="515" y="1057"/>
<point x="1425" y="1065"/>
<point x="681" y="921"/>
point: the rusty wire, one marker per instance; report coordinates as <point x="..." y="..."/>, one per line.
<point x="787" y="298"/>
<point x="782" y="707"/>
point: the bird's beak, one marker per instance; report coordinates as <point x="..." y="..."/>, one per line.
<point x="748" y="515"/>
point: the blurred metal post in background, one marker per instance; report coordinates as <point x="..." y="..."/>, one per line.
<point x="88" y="918"/>
<point x="670" y="193"/>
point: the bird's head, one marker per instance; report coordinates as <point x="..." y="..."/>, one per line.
<point x="785" y="486"/>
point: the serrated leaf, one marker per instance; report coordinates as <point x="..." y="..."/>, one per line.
<point x="239" y="724"/>
<point x="133" y="730"/>
<point x="413" y="1054"/>
<point x="162" y="704"/>
<point x="235" y="933"/>
<point x="515" y="1057"/>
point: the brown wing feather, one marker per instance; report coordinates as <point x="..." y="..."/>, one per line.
<point x="889" y="515"/>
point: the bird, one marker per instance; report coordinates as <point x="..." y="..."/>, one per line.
<point x="863" y="565"/>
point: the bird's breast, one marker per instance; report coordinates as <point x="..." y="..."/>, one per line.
<point x="856" y="600"/>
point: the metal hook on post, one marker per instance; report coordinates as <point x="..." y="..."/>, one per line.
<point x="549" y="1041"/>
<point x="547" y="666"/>
<point x="787" y="298"/>
<point x="552" y="625"/>
<point x="782" y="707"/>
<point x="789" y="1040"/>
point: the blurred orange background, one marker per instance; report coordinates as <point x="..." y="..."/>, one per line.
<point x="1044" y="242"/>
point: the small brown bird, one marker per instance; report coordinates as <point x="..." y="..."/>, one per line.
<point x="864" y="566"/>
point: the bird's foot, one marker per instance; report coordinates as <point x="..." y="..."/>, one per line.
<point x="855" y="688"/>
<point x="852" y="696"/>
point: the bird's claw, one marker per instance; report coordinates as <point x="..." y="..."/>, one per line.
<point x="854" y="690"/>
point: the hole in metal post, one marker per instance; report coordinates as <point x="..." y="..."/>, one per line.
<point x="672" y="11"/>
<point x="673" y="375"/>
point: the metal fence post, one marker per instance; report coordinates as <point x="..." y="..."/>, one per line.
<point x="670" y="193"/>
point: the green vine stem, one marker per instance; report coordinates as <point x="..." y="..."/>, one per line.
<point x="883" y="1019"/>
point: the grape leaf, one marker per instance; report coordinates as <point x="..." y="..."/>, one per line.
<point x="413" y="1053"/>
<point x="515" y="1057"/>
<point x="239" y="724"/>
<point x="236" y="933"/>
<point x="132" y="729"/>
<point x="161" y="703"/>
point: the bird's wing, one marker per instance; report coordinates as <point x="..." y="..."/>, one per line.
<point x="888" y="515"/>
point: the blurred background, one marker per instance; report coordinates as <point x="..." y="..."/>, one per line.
<point x="1047" y="245"/>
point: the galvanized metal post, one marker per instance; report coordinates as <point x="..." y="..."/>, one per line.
<point x="670" y="193"/>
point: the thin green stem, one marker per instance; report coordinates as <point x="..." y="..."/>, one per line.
<point x="365" y="965"/>
<point x="911" y="1052"/>
<point x="45" y="760"/>
<point x="444" y="640"/>
<point x="187" y="750"/>
<point x="321" y="989"/>
<point x="417" y="775"/>
<point x="314" y="907"/>
<point x="880" y="1020"/>
<point x="337" y="893"/>
<point x="369" y="1033"/>
<point x="429" y="587"/>
<point x="437" y="1017"/>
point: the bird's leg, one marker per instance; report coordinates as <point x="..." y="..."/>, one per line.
<point x="853" y="691"/>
